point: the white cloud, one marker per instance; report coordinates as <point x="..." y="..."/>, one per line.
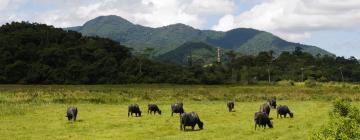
<point x="297" y="19"/>
<point x="225" y="23"/>
<point x="211" y="7"/>
<point x="3" y="4"/>
<point x="152" y="13"/>
<point x="161" y="13"/>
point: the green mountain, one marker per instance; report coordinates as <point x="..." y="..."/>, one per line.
<point x="168" y="38"/>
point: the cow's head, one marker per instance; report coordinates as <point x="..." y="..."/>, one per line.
<point x="201" y="125"/>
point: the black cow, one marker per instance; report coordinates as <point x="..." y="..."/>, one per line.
<point x="230" y="105"/>
<point x="261" y="119"/>
<point x="190" y="119"/>
<point x="265" y="108"/>
<point x="71" y="113"/>
<point x="177" y="108"/>
<point x="272" y="102"/>
<point x="134" y="108"/>
<point x="153" y="108"/>
<point x="283" y="110"/>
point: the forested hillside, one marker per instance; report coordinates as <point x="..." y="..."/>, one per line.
<point x="32" y="53"/>
<point x="168" y="38"/>
<point x="41" y="54"/>
<point x="198" y="53"/>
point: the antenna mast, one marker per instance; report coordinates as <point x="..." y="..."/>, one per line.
<point x="218" y="56"/>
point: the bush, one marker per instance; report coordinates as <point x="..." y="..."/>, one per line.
<point x="310" y="83"/>
<point x="341" y="107"/>
<point x="286" y="83"/>
<point x="344" y="123"/>
<point x="323" y="79"/>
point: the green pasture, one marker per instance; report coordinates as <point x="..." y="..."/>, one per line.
<point x="38" y="112"/>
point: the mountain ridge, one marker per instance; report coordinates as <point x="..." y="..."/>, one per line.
<point x="167" y="38"/>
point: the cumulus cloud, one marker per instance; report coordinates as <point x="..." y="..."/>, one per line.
<point x="225" y="23"/>
<point x="297" y="19"/>
<point x="161" y="13"/>
<point x="211" y="7"/>
<point x="154" y="13"/>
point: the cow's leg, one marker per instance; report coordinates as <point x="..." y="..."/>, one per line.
<point x="285" y="116"/>
<point x="172" y="113"/>
<point x="192" y="127"/>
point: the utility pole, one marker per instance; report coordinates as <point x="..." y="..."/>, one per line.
<point x="231" y="55"/>
<point x="218" y="56"/>
<point x="190" y="61"/>
<point x="302" y="74"/>
<point x="341" y="72"/>
<point x="269" y="64"/>
<point x="269" y="76"/>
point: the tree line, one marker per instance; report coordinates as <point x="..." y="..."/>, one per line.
<point x="32" y="53"/>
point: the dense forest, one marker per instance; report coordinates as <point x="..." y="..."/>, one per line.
<point x="32" y="53"/>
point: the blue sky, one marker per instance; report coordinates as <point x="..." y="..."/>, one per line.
<point x="333" y="25"/>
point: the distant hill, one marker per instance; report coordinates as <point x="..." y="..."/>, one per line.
<point x="168" y="38"/>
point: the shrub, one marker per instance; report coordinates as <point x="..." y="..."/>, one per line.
<point x="323" y="79"/>
<point x="286" y="83"/>
<point x="310" y="83"/>
<point x="344" y="123"/>
<point x="341" y="107"/>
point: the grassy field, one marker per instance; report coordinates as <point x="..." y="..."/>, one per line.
<point x="38" y="112"/>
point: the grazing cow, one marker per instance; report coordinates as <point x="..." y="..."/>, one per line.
<point x="153" y="108"/>
<point x="272" y="102"/>
<point x="230" y="105"/>
<point x="265" y="108"/>
<point x="190" y="119"/>
<point x="177" y="108"/>
<point x="261" y="119"/>
<point x="134" y="108"/>
<point x="282" y="110"/>
<point x="71" y="113"/>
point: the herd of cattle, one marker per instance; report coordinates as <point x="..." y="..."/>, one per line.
<point x="261" y="118"/>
